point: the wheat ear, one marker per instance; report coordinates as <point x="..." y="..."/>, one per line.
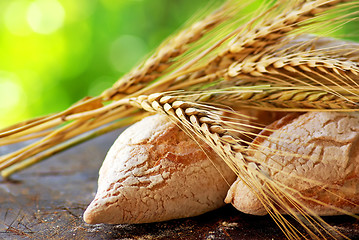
<point x="300" y="10"/>
<point x="323" y="67"/>
<point x="261" y="36"/>
<point x="156" y="65"/>
<point x="260" y="97"/>
<point x="136" y="80"/>
<point x="95" y="105"/>
<point x="140" y="77"/>
<point x="207" y="125"/>
<point x="269" y="30"/>
<point x="292" y="99"/>
<point x="250" y="45"/>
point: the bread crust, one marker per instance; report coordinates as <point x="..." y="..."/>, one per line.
<point x="155" y="172"/>
<point x="325" y="169"/>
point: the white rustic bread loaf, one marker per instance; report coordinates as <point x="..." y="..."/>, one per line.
<point x="155" y="172"/>
<point x="330" y="142"/>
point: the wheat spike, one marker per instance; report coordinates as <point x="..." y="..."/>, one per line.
<point x="252" y="41"/>
<point x="269" y="30"/>
<point x="140" y="77"/>
<point x="318" y="67"/>
<point x="271" y="33"/>
<point x="305" y="9"/>
<point x="298" y="99"/>
<point x="163" y="58"/>
<point x="205" y="123"/>
<point x="203" y="71"/>
<point x="332" y="61"/>
<point x="322" y="61"/>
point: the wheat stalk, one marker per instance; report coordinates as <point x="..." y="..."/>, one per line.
<point x="265" y="64"/>
<point x="140" y="77"/>
<point x="207" y="124"/>
<point x="306" y="10"/>
<point x="285" y="64"/>
<point x="131" y="83"/>
<point x="269" y="30"/>
<point x="293" y="99"/>
<point x="284" y="18"/>
<point x="312" y="68"/>
<point x="156" y="65"/>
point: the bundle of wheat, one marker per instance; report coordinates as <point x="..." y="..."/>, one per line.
<point x="225" y="61"/>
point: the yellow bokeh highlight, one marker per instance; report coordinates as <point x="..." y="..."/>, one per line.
<point x="45" y="16"/>
<point x="12" y="96"/>
<point x="15" y="17"/>
<point x="126" y="51"/>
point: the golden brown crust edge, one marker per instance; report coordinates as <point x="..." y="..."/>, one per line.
<point x="328" y="172"/>
<point x="155" y="172"/>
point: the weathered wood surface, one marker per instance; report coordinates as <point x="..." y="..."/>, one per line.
<point x="47" y="202"/>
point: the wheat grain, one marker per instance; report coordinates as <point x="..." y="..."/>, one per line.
<point x="299" y="72"/>
<point x="206" y="125"/>
<point x="163" y="58"/>
<point x="299" y="98"/>
<point x="253" y="40"/>
<point x="322" y="67"/>
<point x="151" y="69"/>
<point x="209" y="74"/>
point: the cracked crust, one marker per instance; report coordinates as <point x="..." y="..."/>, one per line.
<point x="155" y="172"/>
<point x="328" y="170"/>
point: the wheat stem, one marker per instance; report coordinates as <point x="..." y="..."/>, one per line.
<point x="206" y="125"/>
<point x="163" y="58"/>
<point x="7" y="172"/>
<point x="300" y="98"/>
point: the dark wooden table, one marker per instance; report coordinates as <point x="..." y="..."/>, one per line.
<point x="47" y="201"/>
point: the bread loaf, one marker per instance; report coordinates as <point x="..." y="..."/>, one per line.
<point x="325" y="169"/>
<point x="155" y="172"/>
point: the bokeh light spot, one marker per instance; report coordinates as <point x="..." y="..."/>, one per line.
<point x="10" y="93"/>
<point x="45" y="16"/>
<point x="15" y="18"/>
<point x="100" y="84"/>
<point x="126" y="51"/>
<point x="12" y="96"/>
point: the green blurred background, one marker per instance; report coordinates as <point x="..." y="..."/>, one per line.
<point x="55" y="52"/>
